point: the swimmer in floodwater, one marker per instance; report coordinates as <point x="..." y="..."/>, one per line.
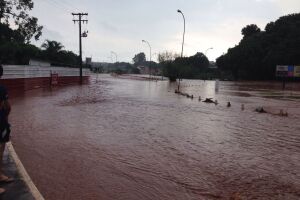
<point x="228" y="104"/>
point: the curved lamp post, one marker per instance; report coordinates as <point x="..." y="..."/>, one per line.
<point x="149" y="57"/>
<point x="115" y="54"/>
<point x="179" y="11"/>
<point x="208" y="50"/>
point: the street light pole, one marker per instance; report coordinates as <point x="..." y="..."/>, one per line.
<point x="208" y="50"/>
<point x="149" y="57"/>
<point x="179" y="11"/>
<point x="116" y="55"/>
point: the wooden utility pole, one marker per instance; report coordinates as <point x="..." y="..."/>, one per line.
<point x="81" y="35"/>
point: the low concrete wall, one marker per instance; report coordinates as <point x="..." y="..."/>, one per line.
<point x="26" y="71"/>
<point x="19" y="78"/>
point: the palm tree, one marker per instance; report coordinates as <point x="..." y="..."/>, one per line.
<point x="52" y="50"/>
<point x="52" y="47"/>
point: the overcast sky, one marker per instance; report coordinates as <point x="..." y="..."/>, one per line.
<point x="121" y="25"/>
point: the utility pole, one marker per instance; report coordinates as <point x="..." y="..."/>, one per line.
<point x="81" y="35"/>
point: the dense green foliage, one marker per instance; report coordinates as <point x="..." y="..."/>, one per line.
<point x="53" y="51"/>
<point x="15" y="47"/>
<point x="185" y="67"/>
<point x="14" y="50"/>
<point x="121" y="68"/>
<point x="259" y="52"/>
<point x="16" y="12"/>
<point x="139" y="58"/>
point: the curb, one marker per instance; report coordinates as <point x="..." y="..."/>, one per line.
<point x="23" y="173"/>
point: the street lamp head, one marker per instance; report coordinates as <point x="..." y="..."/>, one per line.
<point x="179" y="11"/>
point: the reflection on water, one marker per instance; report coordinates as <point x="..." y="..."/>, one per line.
<point x="131" y="139"/>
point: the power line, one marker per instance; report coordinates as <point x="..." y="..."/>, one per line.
<point x="67" y="8"/>
<point x="68" y="4"/>
<point x="63" y="5"/>
<point x="51" y="3"/>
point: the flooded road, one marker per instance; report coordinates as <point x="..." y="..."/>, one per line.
<point x="122" y="139"/>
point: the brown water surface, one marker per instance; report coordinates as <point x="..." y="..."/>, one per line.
<point x="122" y="139"/>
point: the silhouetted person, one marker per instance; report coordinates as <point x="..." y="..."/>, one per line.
<point x="4" y="129"/>
<point x="228" y="104"/>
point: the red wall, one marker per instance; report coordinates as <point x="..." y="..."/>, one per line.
<point x="24" y="84"/>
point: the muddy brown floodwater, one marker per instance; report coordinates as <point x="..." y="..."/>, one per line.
<point x="122" y="139"/>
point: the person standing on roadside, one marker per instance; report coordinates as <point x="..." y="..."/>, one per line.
<point x="4" y="129"/>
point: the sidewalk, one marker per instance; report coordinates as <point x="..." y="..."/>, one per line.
<point x="16" y="190"/>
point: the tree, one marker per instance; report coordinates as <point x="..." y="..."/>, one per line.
<point x="17" y="10"/>
<point x="52" y="46"/>
<point x="9" y="35"/>
<point x="183" y="67"/>
<point x="258" y="53"/>
<point x="167" y="56"/>
<point x="54" y="52"/>
<point x="169" y="68"/>
<point x="13" y="50"/>
<point x="139" y="58"/>
<point x="16" y="53"/>
<point x="269" y="27"/>
<point x="199" y="61"/>
<point x="250" y="30"/>
<point x="67" y="57"/>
